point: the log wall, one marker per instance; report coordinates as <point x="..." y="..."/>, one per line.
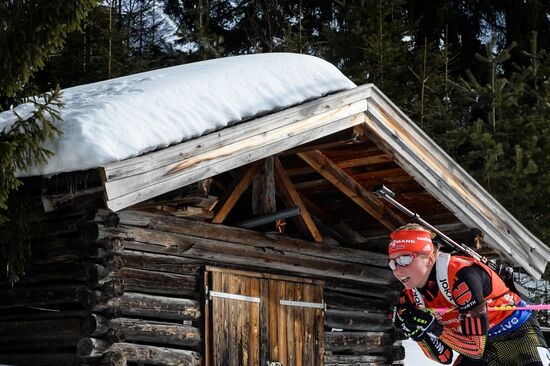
<point x="126" y="288"/>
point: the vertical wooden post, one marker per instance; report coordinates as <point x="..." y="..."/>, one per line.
<point x="263" y="189"/>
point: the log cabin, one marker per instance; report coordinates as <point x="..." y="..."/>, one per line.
<point x="258" y="243"/>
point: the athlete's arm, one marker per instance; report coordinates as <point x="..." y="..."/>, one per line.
<point x="470" y="285"/>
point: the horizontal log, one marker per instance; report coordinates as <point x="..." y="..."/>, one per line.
<point x="65" y="227"/>
<point x="363" y="342"/>
<point x="41" y="295"/>
<point x="112" y="359"/>
<point x="160" y="262"/>
<point x="220" y="252"/>
<point x="36" y="329"/>
<point x="150" y="306"/>
<point x="243" y="236"/>
<point x="354" y="320"/>
<point x="88" y="273"/>
<point x="162" y="283"/>
<point x="94" y="348"/>
<point x="46" y="358"/>
<point x="55" y="202"/>
<point x="68" y="250"/>
<point x="43" y="314"/>
<point x="152" y="355"/>
<point x="387" y="293"/>
<point x="355" y="360"/>
<point x="91" y="347"/>
<point x="143" y="330"/>
<point x="94" y="300"/>
<point x="40" y="343"/>
<point x="342" y="301"/>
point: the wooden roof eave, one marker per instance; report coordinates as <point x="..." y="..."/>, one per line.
<point x="138" y="179"/>
<point x="442" y="177"/>
<point x="135" y="180"/>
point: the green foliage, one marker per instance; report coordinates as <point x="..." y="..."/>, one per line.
<point x="506" y="144"/>
<point x="31" y="31"/>
<point x="21" y="143"/>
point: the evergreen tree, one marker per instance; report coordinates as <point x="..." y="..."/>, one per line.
<point x="31" y="30"/>
<point x="505" y="145"/>
<point x="115" y="39"/>
<point x="369" y="40"/>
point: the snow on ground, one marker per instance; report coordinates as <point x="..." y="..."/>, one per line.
<point x="414" y="355"/>
<point x="119" y="118"/>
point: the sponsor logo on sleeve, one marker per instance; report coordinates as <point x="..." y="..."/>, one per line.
<point x="462" y="294"/>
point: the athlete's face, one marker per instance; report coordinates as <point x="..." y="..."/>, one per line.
<point x="416" y="273"/>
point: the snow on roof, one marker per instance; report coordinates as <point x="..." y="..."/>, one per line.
<point x="119" y="118"/>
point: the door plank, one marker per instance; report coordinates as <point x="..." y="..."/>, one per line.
<point x="290" y="315"/>
<point x="273" y="319"/>
<point x="255" y="324"/>
<point x="233" y="336"/>
<point x="298" y="335"/>
<point x="265" y="348"/>
<point x="282" y="333"/>
<point x="307" y="348"/>
<point x="319" y="328"/>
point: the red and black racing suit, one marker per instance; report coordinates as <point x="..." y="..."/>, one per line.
<point x="495" y="338"/>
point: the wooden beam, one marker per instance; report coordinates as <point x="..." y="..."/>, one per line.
<point x="341" y="180"/>
<point x="291" y="198"/>
<point x="57" y="201"/>
<point x="235" y="191"/>
<point x="293" y="256"/>
<point x="141" y="178"/>
<point x="168" y="224"/>
<point x="263" y="189"/>
<point x="379" y="158"/>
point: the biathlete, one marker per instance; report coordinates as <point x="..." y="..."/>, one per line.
<point x="440" y="280"/>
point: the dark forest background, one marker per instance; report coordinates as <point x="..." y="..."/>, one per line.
<point x="472" y="73"/>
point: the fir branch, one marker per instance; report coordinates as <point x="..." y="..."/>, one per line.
<point x="21" y="147"/>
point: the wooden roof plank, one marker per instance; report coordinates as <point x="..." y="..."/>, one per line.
<point x="215" y="140"/>
<point x="124" y="192"/>
<point x="347" y="185"/>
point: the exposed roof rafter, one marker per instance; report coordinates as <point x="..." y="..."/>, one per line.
<point x="347" y="185"/>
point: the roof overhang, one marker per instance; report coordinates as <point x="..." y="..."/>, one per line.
<point x="138" y="179"/>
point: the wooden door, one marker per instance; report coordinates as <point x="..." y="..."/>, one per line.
<point x="261" y="319"/>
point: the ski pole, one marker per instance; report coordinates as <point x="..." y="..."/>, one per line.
<point x="496" y="308"/>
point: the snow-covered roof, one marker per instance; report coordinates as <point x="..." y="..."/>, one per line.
<point x="116" y="119"/>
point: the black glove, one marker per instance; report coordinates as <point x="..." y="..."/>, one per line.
<point x="422" y="324"/>
<point x="398" y="320"/>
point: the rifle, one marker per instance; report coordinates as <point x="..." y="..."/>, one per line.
<point x="504" y="271"/>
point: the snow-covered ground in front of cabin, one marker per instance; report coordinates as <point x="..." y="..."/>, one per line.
<point x="415" y="357"/>
<point x="120" y="118"/>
